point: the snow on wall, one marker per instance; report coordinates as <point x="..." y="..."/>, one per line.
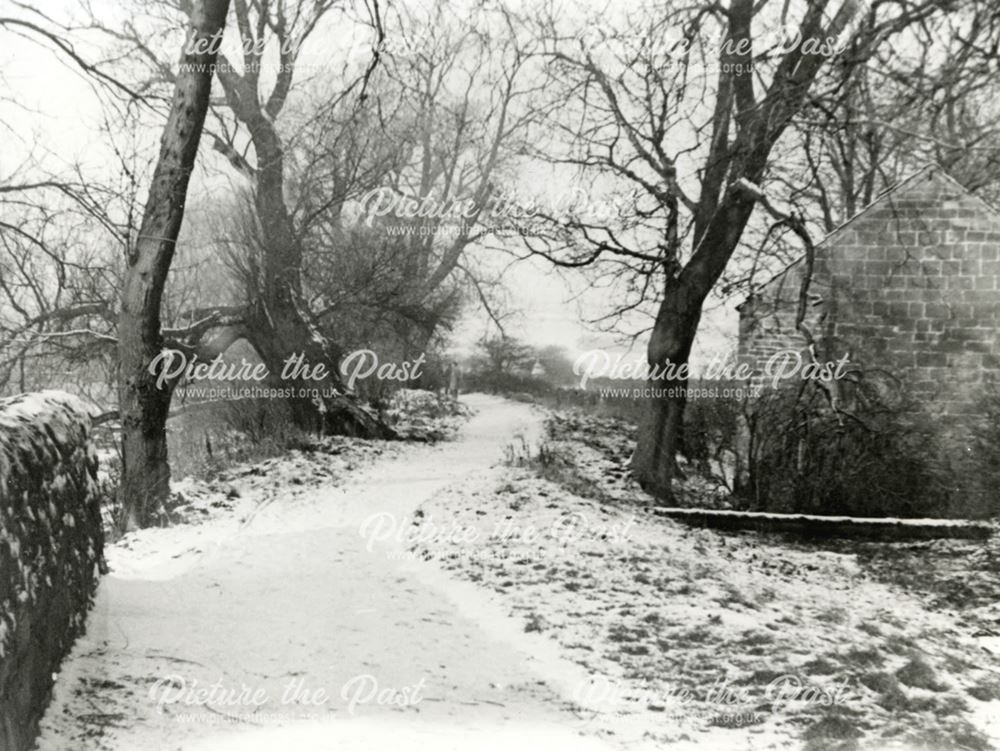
<point x="51" y="550"/>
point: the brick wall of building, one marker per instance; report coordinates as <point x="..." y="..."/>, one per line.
<point x="909" y="287"/>
<point x="768" y="322"/>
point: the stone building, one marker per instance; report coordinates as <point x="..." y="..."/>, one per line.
<point x="908" y="287"/>
<point x="909" y="291"/>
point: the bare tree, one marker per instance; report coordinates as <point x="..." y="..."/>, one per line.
<point x="144" y="401"/>
<point x="453" y="105"/>
<point x="275" y="317"/>
<point x="686" y="125"/>
<point x="436" y="127"/>
<point x="279" y="323"/>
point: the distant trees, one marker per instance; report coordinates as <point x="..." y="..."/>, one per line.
<point x="441" y="127"/>
<point x="557" y="365"/>
<point x="57" y="290"/>
<point x="60" y="236"/>
<point x="503" y="356"/>
<point x="504" y="363"/>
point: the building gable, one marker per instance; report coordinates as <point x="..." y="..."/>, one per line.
<point x="910" y="284"/>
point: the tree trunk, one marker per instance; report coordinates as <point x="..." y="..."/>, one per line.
<point x="659" y="436"/>
<point x="280" y="324"/>
<point x="282" y="328"/>
<point x="279" y="332"/>
<point x="143" y="404"/>
<point x="654" y="462"/>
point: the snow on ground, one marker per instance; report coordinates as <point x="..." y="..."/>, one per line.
<point x="275" y="623"/>
<point x="705" y="639"/>
<point x="435" y="596"/>
<point x="214" y="511"/>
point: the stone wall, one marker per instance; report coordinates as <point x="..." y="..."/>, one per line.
<point x="910" y="286"/>
<point x="51" y="546"/>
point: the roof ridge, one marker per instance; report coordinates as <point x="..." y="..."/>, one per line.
<point x="975" y="196"/>
<point x="928" y="167"/>
<point x="883" y="195"/>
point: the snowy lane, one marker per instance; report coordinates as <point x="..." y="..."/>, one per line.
<point x="290" y="629"/>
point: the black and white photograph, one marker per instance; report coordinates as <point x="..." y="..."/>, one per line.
<point x="499" y="375"/>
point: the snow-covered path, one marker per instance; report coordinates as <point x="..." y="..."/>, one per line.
<point x="289" y="629"/>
